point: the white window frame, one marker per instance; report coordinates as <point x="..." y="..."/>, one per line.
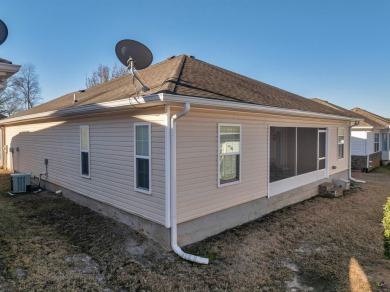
<point x="385" y="141"/>
<point x="149" y="191"/>
<point x="235" y="153"/>
<point x="338" y="154"/>
<point x="89" y="153"/>
<point x="377" y="143"/>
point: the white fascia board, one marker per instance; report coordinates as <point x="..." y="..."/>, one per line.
<point x="362" y="128"/>
<point x="232" y="105"/>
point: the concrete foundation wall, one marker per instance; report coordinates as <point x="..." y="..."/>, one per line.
<point x="206" y="226"/>
<point x="375" y="159"/>
<point x="360" y="162"/>
<point x="151" y="229"/>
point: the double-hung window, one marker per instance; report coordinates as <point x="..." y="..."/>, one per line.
<point x="376" y="142"/>
<point x="85" y="159"/>
<point x="229" y="141"/>
<point x="142" y="161"/>
<point x="384" y="141"/>
<point x="340" y="142"/>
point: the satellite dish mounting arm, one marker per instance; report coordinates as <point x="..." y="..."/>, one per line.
<point x="131" y="68"/>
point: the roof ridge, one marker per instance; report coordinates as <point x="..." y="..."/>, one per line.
<point x="180" y="72"/>
<point x="184" y="75"/>
<point x="372" y="115"/>
<point x="250" y="79"/>
<point x="171" y="81"/>
<point x="371" y="118"/>
<point x="337" y="107"/>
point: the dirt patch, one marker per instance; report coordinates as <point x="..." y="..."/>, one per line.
<point x="50" y="243"/>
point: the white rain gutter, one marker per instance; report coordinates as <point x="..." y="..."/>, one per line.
<point x="350" y="159"/>
<point x="166" y="99"/>
<point x="174" y="245"/>
<point x="234" y="105"/>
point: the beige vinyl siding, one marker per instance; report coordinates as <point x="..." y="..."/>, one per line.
<point x="111" y="153"/>
<point x="335" y="164"/>
<point x="197" y="158"/>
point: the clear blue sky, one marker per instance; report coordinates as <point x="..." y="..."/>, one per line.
<point x="337" y="50"/>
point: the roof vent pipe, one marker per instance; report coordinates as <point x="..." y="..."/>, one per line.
<point x="176" y="248"/>
<point x="74" y="98"/>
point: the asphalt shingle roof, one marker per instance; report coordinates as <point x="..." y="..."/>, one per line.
<point x="371" y="119"/>
<point x="185" y="75"/>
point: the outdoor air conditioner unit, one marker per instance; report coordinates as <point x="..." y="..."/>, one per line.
<point x="20" y="181"/>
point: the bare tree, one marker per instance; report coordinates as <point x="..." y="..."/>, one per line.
<point x="26" y="85"/>
<point x="118" y="71"/>
<point x="22" y="91"/>
<point x="10" y="102"/>
<point x="104" y="74"/>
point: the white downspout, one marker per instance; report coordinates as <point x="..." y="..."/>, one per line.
<point x="175" y="247"/>
<point x="350" y="158"/>
<point x="167" y="166"/>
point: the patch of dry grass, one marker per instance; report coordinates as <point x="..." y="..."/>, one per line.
<point x="49" y="243"/>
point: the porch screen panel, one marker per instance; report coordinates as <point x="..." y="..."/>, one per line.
<point x="282" y="153"/>
<point x="307" y="150"/>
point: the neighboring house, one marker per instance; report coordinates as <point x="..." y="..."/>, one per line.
<point x="370" y="141"/>
<point x="370" y="137"/>
<point x="7" y="69"/>
<point x="205" y="148"/>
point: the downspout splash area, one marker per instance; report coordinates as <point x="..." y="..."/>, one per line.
<point x="350" y="158"/>
<point x="176" y="248"/>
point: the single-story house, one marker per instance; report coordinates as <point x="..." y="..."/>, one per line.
<point x="369" y="138"/>
<point x="204" y="150"/>
<point x="370" y="141"/>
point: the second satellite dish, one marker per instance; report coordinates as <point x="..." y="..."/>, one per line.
<point x="3" y="32"/>
<point x="129" y="50"/>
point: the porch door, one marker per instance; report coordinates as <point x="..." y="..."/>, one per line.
<point x="321" y="151"/>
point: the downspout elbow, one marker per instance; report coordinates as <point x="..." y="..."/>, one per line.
<point x="185" y="111"/>
<point x="189" y="257"/>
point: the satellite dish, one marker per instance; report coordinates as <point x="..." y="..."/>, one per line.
<point x="134" y="55"/>
<point x="127" y="50"/>
<point x="3" y="32"/>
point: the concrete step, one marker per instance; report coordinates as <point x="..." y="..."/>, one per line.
<point x="335" y="193"/>
<point x="325" y="187"/>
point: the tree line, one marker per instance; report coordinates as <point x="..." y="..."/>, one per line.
<point x="24" y="91"/>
